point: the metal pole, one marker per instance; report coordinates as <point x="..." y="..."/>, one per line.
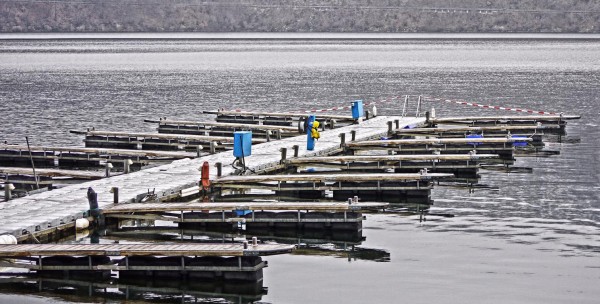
<point x="418" y="107"/>
<point x="404" y="107"/>
<point x="37" y="185"/>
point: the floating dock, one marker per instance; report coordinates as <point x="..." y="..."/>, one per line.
<point x="228" y="216"/>
<point x="193" y="261"/>
<point x="152" y="141"/>
<point x="129" y="250"/>
<point x="48" y="213"/>
<point x="223" y="129"/>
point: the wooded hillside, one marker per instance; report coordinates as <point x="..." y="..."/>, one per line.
<point x="565" y="16"/>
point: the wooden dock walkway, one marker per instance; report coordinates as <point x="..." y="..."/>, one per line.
<point x="231" y="261"/>
<point x="438" y="141"/>
<point x="77" y="174"/>
<point x="505" y="119"/>
<point x="189" y="123"/>
<point x="48" y="211"/>
<point x="36" y="250"/>
<point x="55" y="152"/>
<point x="215" y="206"/>
<point x="272" y="114"/>
<point x="388" y="158"/>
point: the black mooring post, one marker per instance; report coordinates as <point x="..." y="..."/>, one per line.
<point x="353" y="135"/>
<point x="115" y="192"/>
<point x="219" y="166"/>
<point x="283" y="154"/>
<point x="296" y="148"/>
<point x="342" y="139"/>
<point x="390" y="124"/>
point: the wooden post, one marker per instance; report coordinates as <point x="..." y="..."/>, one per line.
<point x="283" y="154"/>
<point x="353" y="135"/>
<point x="367" y="114"/>
<point x="342" y="139"/>
<point x="127" y="166"/>
<point x="278" y="134"/>
<point x="107" y="168"/>
<point x="115" y="192"/>
<point x="332" y="123"/>
<point x="8" y="191"/>
<point x="427" y="118"/>
<point x="268" y="134"/>
<point x="296" y="148"/>
<point x="212" y="148"/>
<point x="389" y="123"/>
<point x="397" y="122"/>
<point x="219" y="166"/>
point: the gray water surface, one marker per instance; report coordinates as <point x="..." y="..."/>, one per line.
<point x="528" y="238"/>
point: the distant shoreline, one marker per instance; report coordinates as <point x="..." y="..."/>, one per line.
<point x="297" y="36"/>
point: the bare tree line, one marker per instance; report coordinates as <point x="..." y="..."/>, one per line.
<point x="576" y="16"/>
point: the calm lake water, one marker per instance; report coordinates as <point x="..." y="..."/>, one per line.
<point x="527" y="238"/>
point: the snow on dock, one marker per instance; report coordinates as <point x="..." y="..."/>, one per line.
<point x="48" y="210"/>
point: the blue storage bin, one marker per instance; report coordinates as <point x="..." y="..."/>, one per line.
<point x="357" y="109"/>
<point x="474" y="136"/>
<point x="242" y="212"/>
<point x="242" y="143"/>
<point x="519" y="143"/>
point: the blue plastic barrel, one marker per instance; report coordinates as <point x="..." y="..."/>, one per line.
<point x="242" y="212"/>
<point x="474" y="136"/>
<point x="519" y="143"/>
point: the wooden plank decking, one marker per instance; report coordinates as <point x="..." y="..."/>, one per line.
<point x="54" y="172"/>
<point x="196" y="206"/>
<point x="478" y="129"/>
<point x="181" y="137"/>
<point x="37" y="213"/>
<point x="541" y="118"/>
<point x="234" y="179"/>
<point x="271" y="114"/>
<point x="437" y="141"/>
<point x="224" y="125"/>
<point x="34" y="250"/>
<point x="100" y="151"/>
<point x="389" y="158"/>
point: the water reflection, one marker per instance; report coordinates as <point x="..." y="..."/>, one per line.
<point x="343" y="244"/>
<point x="154" y="291"/>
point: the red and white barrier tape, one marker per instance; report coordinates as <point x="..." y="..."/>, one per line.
<point x="386" y="100"/>
<point x="425" y="98"/>
<point x="460" y="102"/>
<point x="389" y="99"/>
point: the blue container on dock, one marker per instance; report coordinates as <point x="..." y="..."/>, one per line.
<point x="474" y="136"/>
<point x="357" y="109"/>
<point x="242" y="143"/>
<point x="519" y="143"/>
<point x="239" y="212"/>
<point x="310" y="142"/>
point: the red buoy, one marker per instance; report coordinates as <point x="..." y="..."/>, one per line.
<point x="205" y="179"/>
